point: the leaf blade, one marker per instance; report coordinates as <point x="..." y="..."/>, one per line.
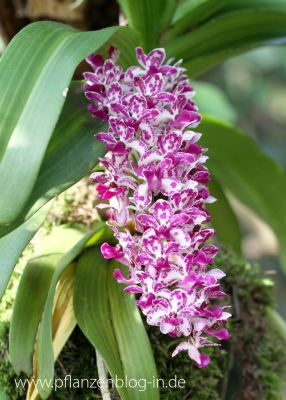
<point x="45" y="359"/>
<point x="192" y="12"/>
<point x="73" y="140"/>
<point x="13" y="244"/>
<point x="228" y="35"/>
<point x="148" y="17"/>
<point x="210" y="99"/>
<point x="96" y="326"/>
<point x="131" y="320"/>
<point x="63" y="323"/>
<point x="111" y="321"/>
<point x="224" y="219"/>
<point x="254" y="178"/>
<point x="30" y="124"/>
<point x="35" y="282"/>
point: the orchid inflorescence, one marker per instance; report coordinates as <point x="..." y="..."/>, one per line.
<point x="154" y="179"/>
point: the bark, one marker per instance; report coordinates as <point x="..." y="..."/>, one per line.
<point x="82" y="14"/>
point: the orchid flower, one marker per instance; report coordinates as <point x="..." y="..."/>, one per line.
<point x="154" y="180"/>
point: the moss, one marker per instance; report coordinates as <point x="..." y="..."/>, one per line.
<point x="200" y="384"/>
<point x="258" y="350"/>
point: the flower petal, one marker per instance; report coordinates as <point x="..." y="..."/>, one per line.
<point x="147" y="221"/>
<point x="181" y="237"/>
<point x="170" y="186"/>
<point x="136" y="105"/>
<point x="147" y="133"/>
<point x="181" y="347"/>
<point x="152" y="243"/>
<point x="162" y="211"/>
<point x="155" y="57"/>
<point x="142" y="196"/>
<point x="110" y="252"/>
<point x="170" y="143"/>
<point x="153" y="84"/>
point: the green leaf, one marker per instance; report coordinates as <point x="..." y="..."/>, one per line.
<point x="45" y="356"/>
<point x="39" y="282"/>
<point x="240" y="166"/>
<point x="148" y="17"/>
<point x="212" y="100"/>
<point x="112" y="323"/>
<point x="190" y="13"/>
<point x="13" y="244"/>
<point x="63" y="324"/>
<point x="273" y="5"/>
<point x="224" y="219"/>
<point x="32" y="96"/>
<point x="126" y="40"/>
<point x="27" y="311"/>
<point x="228" y="35"/>
<point x="71" y="154"/>
<point x="92" y="309"/>
<point x="32" y="295"/>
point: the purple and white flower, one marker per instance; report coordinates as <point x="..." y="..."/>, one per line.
<point x="154" y="179"/>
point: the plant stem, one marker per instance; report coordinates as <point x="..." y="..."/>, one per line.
<point x="102" y="375"/>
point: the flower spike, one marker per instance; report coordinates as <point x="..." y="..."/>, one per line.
<point x="155" y="181"/>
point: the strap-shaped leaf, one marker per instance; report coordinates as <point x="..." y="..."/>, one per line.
<point x="63" y="324"/>
<point x="224" y="219"/>
<point x="45" y="356"/>
<point x="35" y="298"/>
<point x="13" y="244"/>
<point x="111" y="321"/>
<point x="71" y="154"/>
<point x="212" y="100"/>
<point x="278" y="5"/>
<point x="32" y="295"/>
<point x="148" y="17"/>
<point x="190" y="13"/>
<point x="228" y="35"/>
<point x="253" y="177"/>
<point x="35" y="71"/>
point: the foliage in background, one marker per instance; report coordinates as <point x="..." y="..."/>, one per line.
<point x="254" y="88"/>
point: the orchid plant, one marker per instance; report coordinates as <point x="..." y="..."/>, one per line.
<point x="148" y="163"/>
